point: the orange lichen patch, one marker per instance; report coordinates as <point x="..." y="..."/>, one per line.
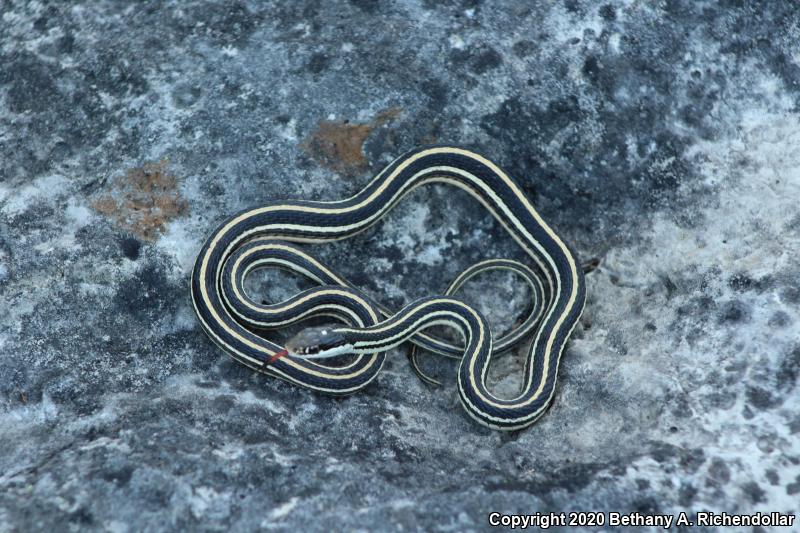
<point x="143" y="200"/>
<point x="339" y="145"/>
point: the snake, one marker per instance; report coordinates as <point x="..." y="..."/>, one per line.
<point x="269" y="235"/>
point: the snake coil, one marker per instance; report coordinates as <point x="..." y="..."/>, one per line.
<point x="263" y="236"/>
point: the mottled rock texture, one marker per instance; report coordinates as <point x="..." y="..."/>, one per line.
<point x="661" y="137"/>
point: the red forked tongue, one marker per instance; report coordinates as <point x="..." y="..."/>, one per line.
<point x="277" y="356"/>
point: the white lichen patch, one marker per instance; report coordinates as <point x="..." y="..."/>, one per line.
<point x="680" y="319"/>
<point x="18" y="199"/>
<point x="412" y="230"/>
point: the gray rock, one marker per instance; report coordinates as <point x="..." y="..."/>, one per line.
<point x="662" y="138"/>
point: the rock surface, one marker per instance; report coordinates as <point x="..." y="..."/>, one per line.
<point x="662" y="138"/>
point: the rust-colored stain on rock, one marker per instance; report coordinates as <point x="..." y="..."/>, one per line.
<point x="143" y="200"/>
<point x="338" y="145"/>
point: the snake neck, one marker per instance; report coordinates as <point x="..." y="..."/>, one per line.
<point x="419" y="315"/>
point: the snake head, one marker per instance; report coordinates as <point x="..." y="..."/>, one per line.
<point x="318" y="343"/>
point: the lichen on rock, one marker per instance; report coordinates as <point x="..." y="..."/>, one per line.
<point x="658" y="137"/>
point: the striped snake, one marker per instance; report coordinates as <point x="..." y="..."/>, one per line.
<point x="262" y="237"/>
